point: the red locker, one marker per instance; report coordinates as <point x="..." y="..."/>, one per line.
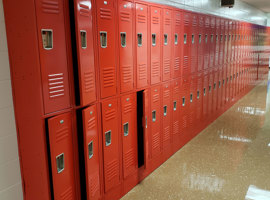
<point x="166" y="118"/>
<point x="207" y="38"/>
<point x="212" y="42"/>
<point x="192" y="104"/>
<point x="224" y="87"/>
<point x="155" y="121"/>
<point x="199" y="96"/>
<point x="205" y="94"/>
<point x="146" y="118"/>
<point x="125" y="14"/>
<point x="219" y="89"/>
<point x="53" y="56"/>
<point x="194" y="44"/>
<point x="61" y="149"/>
<point x="111" y="152"/>
<point x="129" y="133"/>
<point x="225" y="55"/>
<point x="106" y="47"/>
<point x="187" y="43"/>
<point x="210" y="93"/>
<point x="85" y="51"/>
<point x="177" y="44"/>
<point x="217" y="42"/>
<point x="221" y="44"/>
<point x="200" y="42"/>
<point x="184" y="98"/>
<point x="91" y="152"/>
<point x="215" y="92"/>
<point x="142" y="44"/>
<point x="155" y="44"/>
<point x="167" y="44"/>
<point x="176" y="100"/>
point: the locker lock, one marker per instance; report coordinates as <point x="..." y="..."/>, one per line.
<point x="110" y="105"/>
<point x="91" y="112"/>
<point x="125" y="6"/>
<point x="105" y="2"/>
<point x="127" y="99"/>
<point x="61" y="121"/>
<point x="141" y="8"/>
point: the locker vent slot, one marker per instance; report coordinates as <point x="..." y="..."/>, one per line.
<point x="206" y="38"/>
<point x="60" y="163"/>
<point x="90" y="150"/>
<point x="174" y="105"/>
<point x="175" y="38"/>
<point x="126" y="129"/>
<point x="183" y="101"/>
<point x="165" y="39"/>
<point x="123" y="39"/>
<point x="200" y="38"/>
<point x="105" y="13"/>
<point x="51" y="7"/>
<point x="108" y="138"/>
<point x="47" y="39"/>
<point x="103" y="39"/>
<point x="141" y="19"/>
<point x="191" y="98"/>
<point x="212" y="38"/>
<point x="198" y="94"/>
<point x="154" y="116"/>
<point x="83" y="40"/>
<point x="139" y="39"/>
<point x="153" y="39"/>
<point x="204" y="91"/>
<point x="192" y="39"/>
<point x="84" y="10"/>
<point x="165" y="110"/>
<point x="56" y="85"/>
<point x="185" y="38"/>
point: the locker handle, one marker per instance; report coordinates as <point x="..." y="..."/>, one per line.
<point x="175" y="38"/>
<point x="209" y="88"/>
<point x="174" y="105"/>
<point x="60" y="163"/>
<point x="47" y="38"/>
<point x="165" y="110"/>
<point x="183" y="101"/>
<point x="192" y="39"/>
<point x="90" y="150"/>
<point x="191" y="98"/>
<point x="139" y="39"/>
<point x="165" y="39"/>
<point x="153" y="39"/>
<point x="108" y="138"/>
<point x="185" y="38"/>
<point x="215" y="86"/>
<point x="83" y="39"/>
<point x="206" y="38"/>
<point x="198" y="94"/>
<point x="212" y="38"/>
<point x="200" y="38"/>
<point x="103" y="39"/>
<point x="123" y="39"/>
<point x="126" y="129"/>
<point x="204" y="91"/>
<point x="154" y="116"/>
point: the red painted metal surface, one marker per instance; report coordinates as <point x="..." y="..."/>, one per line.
<point x="187" y="23"/>
<point x="194" y="44"/>
<point x="176" y="106"/>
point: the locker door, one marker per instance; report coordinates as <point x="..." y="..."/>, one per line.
<point x="146" y="118"/>
<point x="155" y="121"/>
<point x="177" y="42"/>
<point x="205" y="94"/>
<point x="217" y="42"/>
<point x="224" y="86"/>
<point x="91" y="152"/>
<point x="210" y="92"/>
<point x="85" y="51"/>
<point x="142" y="44"/>
<point x="106" y="47"/>
<point x="125" y="13"/>
<point x="187" y="43"/>
<point x="207" y="38"/>
<point x="53" y="56"/>
<point x="61" y="148"/>
<point x="129" y="133"/>
<point x="221" y="44"/>
<point x="166" y="116"/>
<point x="110" y="136"/>
<point x="194" y="44"/>
<point x="185" y="104"/>
<point x="155" y="44"/>
<point x="215" y="92"/>
<point x="212" y="42"/>
<point x="219" y="90"/>
<point x="199" y="96"/>
<point x="167" y="44"/>
<point x="200" y="43"/>
<point x="192" y="102"/>
<point x="176" y="112"/>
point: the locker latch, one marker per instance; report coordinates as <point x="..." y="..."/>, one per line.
<point x="83" y="39"/>
<point x="200" y="38"/>
<point x="108" y="138"/>
<point x="212" y="38"/>
<point x="185" y="38"/>
<point x="198" y="94"/>
<point x="191" y="98"/>
<point x="206" y="38"/>
<point x="90" y="150"/>
<point x="204" y="91"/>
<point x="139" y="39"/>
<point x="126" y="129"/>
<point x="183" y="101"/>
<point x="103" y="39"/>
<point x="174" y="105"/>
<point x="175" y="38"/>
<point x="153" y="39"/>
<point x="165" y="39"/>
<point x="165" y="110"/>
<point x="154" y="116"/>
<point x="123" y="39"/>
<point x="192" y="39"/>
<point x="47" y="38"/>
<point x="60" y="163"/>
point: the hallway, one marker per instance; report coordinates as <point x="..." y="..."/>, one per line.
<point x="230" y="159"/>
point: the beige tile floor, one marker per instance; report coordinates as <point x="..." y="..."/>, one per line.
<point x="230" y="159"/>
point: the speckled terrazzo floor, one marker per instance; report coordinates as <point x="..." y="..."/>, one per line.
<point x="230" y="159"/>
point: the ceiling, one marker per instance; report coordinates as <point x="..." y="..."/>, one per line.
<point x="263" y="5"/>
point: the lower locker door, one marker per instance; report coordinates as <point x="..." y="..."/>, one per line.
<point x="145" y="127"/>
<point x="176" y="111"/>
<point x="60" y="137"/>
<point x="91" y="152"/>
<point x="166" y="116"/>
<point x="110" y="143"/>
<point x="129" y="133"/>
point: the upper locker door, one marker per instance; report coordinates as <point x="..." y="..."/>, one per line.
<point x="155" y="121"/>
<point x="91" y="152"/>
<point x="110" y="136"/>
<point x="217" y="42"/>
<point x="206" y="42"/>
<point x="125" y="13"/>
<point x="129" y="133"/>
<point x="194" y="44"/>
<point x="53" y="55"/>
<point x="61" y="149"/>
<point x="85" y="51"/>
<point x="187" y="42"/>
<point x="177" y="43"/>
<point x="221" y="45"/>
<point x="142" y="45"/>
<point x="167" y="44"/>
<point x="106" y="46"/>
<point x="212" y="42"/>
<point x="155" y="44"/>
<point x="200" y="42"/>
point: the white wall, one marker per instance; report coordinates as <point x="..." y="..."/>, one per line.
<point x="241" y="10"/>
<point x="10" y="177"/>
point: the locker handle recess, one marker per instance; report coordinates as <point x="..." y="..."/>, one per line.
<point x="175" y="38"/>
<point x="215" y="86"/>
<point x="200" y="38"/>
<point x="183" y="101"/>
<point x="123" y="39"/>
<point x="204" y="91"/>
<point x="126" y="129"/>
<point x="108" y="138"/>
<point x="90" y="150"/>
<point x="165" y="39"/>
<point x="164" y="110"/>
<point x="174" y="105"/>
<point x="206" y="38"/>
<point x="216" y="38"/>
<point x="153" y="39"/>
<point x="191" y="98"/>
<point x="60" y="163"/>
<point x="83" y="39"/>
<point x="47" y="38"/>
<point x="154" y="116"/>
<point x="192" y="39"/>
<point x="185" y="38"/>
<point x="219" y="84"/>
<point x="139" y="38"/>
<point x="212" y="38"/>
<point x="198" y="94"/>
<point x="209" y="88"/>
<point x="103" y="39"/>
